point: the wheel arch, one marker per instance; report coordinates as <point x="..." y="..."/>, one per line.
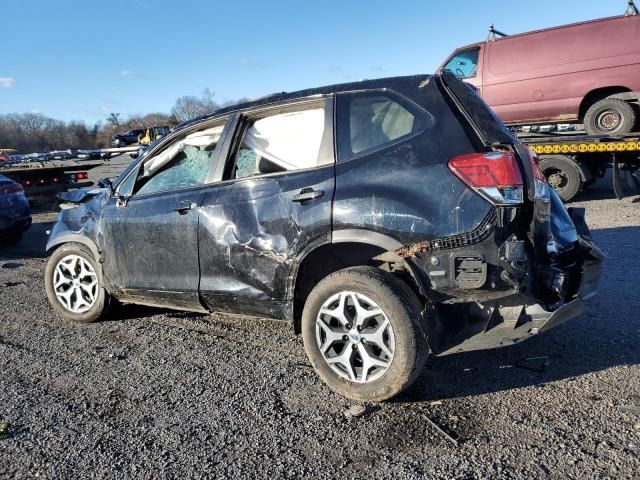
<point x="347" y="248"/>
<point x="597" y="94"/>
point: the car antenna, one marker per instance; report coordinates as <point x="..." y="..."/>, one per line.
<point x="493" y="33"/>
<point x="631" y="9"/>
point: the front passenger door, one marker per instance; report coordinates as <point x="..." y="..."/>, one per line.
<point x="151" y="226"/>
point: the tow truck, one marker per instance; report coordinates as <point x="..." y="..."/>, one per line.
<point x="42" y="181"/>
<point x="572" y="163"/>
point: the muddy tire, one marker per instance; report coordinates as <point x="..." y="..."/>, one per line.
<point x="610" y="116"/>
<point x="74" y="284"/>
<point x="362" y="333"/>
<point x="562" y="175"/>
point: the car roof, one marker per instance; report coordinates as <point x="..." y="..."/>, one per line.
<point x="284" y="97"/>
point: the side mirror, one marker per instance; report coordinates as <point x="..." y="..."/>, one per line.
<point x="105" y="183"/>
<point x="134" y="154"/>
<point x="121" y="202"/>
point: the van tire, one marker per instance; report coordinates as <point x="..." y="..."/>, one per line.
<point x="613" y="110"/>
<point x="403" y="310"/>
<point x="562" y="175"/>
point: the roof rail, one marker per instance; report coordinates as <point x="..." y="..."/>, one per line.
<point x="493" y="33"/>
<point x="631" y="9"/>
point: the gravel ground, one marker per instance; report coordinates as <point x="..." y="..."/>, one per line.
<point x="159" y="394"/>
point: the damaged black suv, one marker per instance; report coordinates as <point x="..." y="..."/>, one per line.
<point x="387" y="220"/>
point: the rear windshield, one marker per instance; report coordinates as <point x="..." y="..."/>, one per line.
<point x="489" y="124"/>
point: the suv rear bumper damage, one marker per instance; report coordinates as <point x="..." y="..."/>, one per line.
<point x="515" y="318"/>
<point x="463" y="316"/>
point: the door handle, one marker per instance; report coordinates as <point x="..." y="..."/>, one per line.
<point x="184" y="206"/>
<point x="307" y="194"/>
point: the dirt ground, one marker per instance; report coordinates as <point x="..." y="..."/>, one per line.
<point x="158" y="394"/>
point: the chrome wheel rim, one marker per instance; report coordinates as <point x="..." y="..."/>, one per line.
<point x="75" y="284"/>
<point x="355" y="337"/>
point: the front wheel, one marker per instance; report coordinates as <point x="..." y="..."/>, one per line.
<point x="362" y="333"/>
<point x="73" y="284"/>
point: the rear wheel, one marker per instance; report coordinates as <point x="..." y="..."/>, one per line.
<point x="362" y="333"/>
<point x="73" y="284"/>
<point x="562" y="175"/>
<point x="610" y="116"/>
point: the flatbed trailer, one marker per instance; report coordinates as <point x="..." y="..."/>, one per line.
<point x="43" y="181"/>
<point x="572" y="163"/>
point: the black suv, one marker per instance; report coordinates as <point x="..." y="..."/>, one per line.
<point x="126" y="138"/>
<point x="387" y="220"/>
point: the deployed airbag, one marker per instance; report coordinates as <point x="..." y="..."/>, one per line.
<point x="201" y="139"/>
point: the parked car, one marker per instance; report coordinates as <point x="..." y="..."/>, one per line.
<point x="61" y="155"/>
<point x="586" y="72"/>
<point x="387" y="220"/>
<point x="127" y="138"/>
<point x="15" y="214"/>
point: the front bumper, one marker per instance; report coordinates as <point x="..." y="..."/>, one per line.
<point x="519" y="317"/>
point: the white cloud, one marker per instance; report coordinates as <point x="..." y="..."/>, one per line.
<point x="126" y="73"/>
<point x="6" y="82"/>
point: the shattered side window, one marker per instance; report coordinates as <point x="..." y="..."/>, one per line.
<point x="184" y="164"/>
<point x="370" y="121"/>
<point x="281" y="142"/>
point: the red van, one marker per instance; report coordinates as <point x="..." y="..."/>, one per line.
<point x="585" y="72"/>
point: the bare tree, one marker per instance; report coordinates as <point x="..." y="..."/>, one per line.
<point x="190" y="106"/>
<point x="114" y="119"/>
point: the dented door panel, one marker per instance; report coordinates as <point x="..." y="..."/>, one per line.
<point x="252" y="231"/>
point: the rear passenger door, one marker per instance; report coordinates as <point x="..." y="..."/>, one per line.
<point x="273" y="202"/>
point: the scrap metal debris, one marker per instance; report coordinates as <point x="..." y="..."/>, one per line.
<point x="355" y="411"/>
<point x="443" y="432"/>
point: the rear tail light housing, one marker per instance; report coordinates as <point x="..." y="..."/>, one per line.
<point x="15" y="188"/>
<point x="494" y="175"/>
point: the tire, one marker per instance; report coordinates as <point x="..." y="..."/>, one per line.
<point x="87" y="311"/>
<point x="403" y="336"/>
<point x="610" y="116"/>
<point x="563" y="176"/>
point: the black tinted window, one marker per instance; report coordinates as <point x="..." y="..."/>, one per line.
<point x="370" y="121"/>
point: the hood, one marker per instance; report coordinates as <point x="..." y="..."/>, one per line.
<point x="80" y="195"/>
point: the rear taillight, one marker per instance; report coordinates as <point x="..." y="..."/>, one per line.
<point x="495" y="175"/>
<point x="15" y="188"/>
<point x="80" y="176"/>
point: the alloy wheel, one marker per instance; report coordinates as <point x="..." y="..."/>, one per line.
<point x="75" y="284"/>
<point x="355" y="337"/>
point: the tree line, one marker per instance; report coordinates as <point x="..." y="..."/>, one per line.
<point x="34" y="132"/>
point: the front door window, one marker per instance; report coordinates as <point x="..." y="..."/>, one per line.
<point x="464" y="64"/>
